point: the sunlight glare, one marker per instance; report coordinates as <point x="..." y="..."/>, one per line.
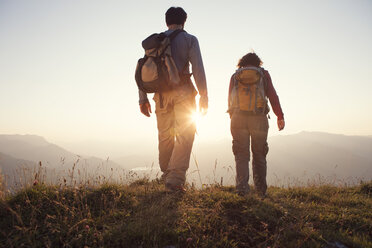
<point x="196" y="117"/>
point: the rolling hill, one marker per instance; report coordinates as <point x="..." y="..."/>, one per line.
<point x="292" y="159"/>
<point x="25" y="153"/>
<point x="297" y="158"/>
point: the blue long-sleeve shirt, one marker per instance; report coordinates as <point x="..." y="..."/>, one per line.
<point x="185" y="49"/>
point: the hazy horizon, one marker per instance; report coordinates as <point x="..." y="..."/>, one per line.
<point x="106" y="149"/>
<point x="294" y="159"/>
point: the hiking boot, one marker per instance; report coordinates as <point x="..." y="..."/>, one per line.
<point x="242" y="191"/>
<point x="175" y="188"/>
<point x="261" y="194"/>
<point x="162" y="178"/>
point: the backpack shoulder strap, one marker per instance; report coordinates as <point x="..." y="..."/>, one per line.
<point x="263" y="72"/>
<point x="175" y="33"/>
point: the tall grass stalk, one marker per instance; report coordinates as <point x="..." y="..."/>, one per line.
<point x="197" y="167"/>
<point x="2" y="186"/>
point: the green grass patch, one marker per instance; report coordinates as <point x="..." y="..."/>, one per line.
<point x="143" y="214"/>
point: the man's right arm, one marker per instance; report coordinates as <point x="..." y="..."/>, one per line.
<point x="199" y="74"/>
<point x="198" y="67"/>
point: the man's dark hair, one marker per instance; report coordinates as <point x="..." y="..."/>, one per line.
<point x="175" y="15"/>
<point x="250" y="59"/>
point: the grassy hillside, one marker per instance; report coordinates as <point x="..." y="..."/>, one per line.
<point x="142" y="214"/>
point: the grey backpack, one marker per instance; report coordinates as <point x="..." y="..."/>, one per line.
<point x="157" y="71"/>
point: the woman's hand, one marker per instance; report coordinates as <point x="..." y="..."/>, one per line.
<point x="281" y="124"/>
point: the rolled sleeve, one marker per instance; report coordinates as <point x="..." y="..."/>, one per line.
<point x="142" y="97"/>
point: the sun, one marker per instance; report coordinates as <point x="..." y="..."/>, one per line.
<point x="196" y="117"/>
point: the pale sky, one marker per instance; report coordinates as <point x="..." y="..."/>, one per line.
<point x="67" y="67"/>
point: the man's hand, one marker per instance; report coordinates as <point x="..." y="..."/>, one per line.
<point x="203" y="104"/>
<point x="281" y="124"/>
<point x="145" y="109"/>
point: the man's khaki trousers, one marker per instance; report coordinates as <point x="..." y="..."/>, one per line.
<point x="176" y="131"/>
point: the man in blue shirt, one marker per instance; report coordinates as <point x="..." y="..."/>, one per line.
<point x="174" y="108"/>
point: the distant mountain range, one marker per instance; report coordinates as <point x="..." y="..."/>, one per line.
<point x="297" y="158"/>
<point x="22" y="156"/>
<point x="35" y="148"/>
<point x="323" y="154"/>
<point x="13" y="168"/>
